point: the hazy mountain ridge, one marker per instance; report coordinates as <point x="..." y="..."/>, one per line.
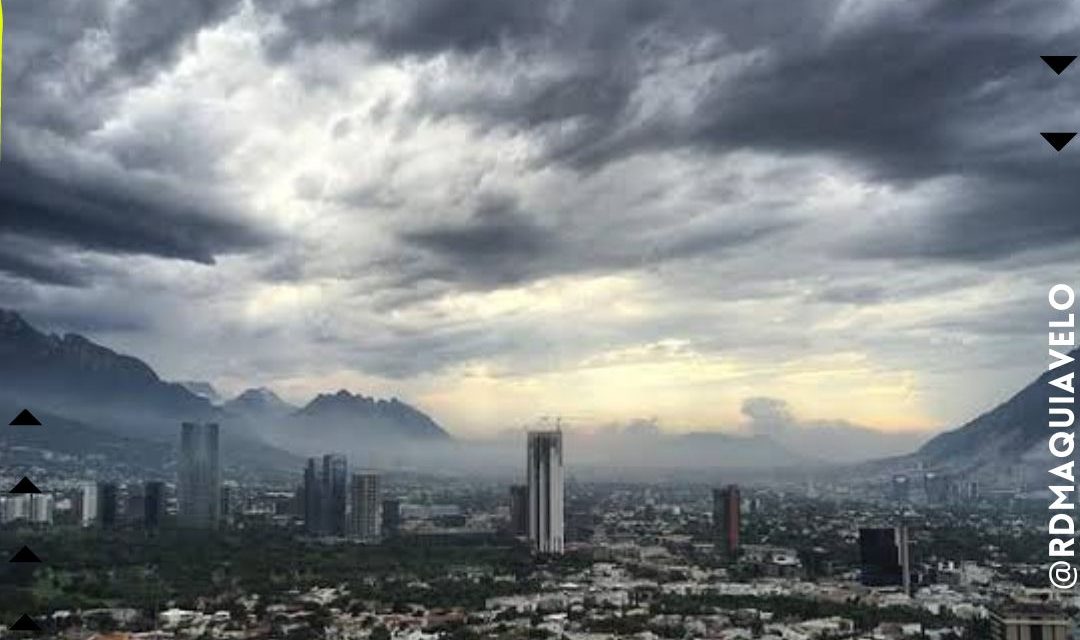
<point x="202" y="389"/>
<point x="258" y="402"/>
<point x="1006" y="432"/>
<point x="79" y="380"/>
<point x="384" y="416"/>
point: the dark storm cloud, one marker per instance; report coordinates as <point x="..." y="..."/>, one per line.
<point x="66" y="65"/>
<point x="903" y="93"/>
<point x="30" y="261"/>
<point x="498" y="243"/>
<point x="502" y="245"/>
<point x="114" y="216"/>
<point x="411" y="26"/>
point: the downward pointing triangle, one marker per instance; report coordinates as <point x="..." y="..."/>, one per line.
<point x="25" y="419"/>
<point x="25" y="555"/>
<point x="1058" y="139"/>
<point x="25" y="486"/>
<point x="25" y="623"/>
<point x="1058" y="63"/>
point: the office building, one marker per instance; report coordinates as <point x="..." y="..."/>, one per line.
<point x="727" y="518"/>
<point x="365" y="506"/>
<point x="200" y="476"/>
<point x="519" y="510"/>
<point x="544" y="473"/>
<point x="901" y="488"/>
<point x="154" y="505"/>
<point x="134" y="507"/>
<point x="884" y="557"/>
<point x="312" y="498"/>
<point x="88" y="503"/>
<point x="334" y="494"/>
<point x="391" y="518"/>
<point x="108" y="504"/>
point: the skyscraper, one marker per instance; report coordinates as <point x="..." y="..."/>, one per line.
<point x="312" y="498"/>
<point x="334" y="491"/>
<point x="365" y="506"/>
<point x="154" y="505"/>
<point x="200" y="476"/>
<point x="108" y="501"/>
<point x="884" y="557"/>
<point x="89" y="503"/>
<point x="391" y="518"/>
<point x="519" y="510"/>
<point x="544" y="474"/>
<point x="727" y="517"/>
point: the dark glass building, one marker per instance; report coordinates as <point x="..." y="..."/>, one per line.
<point x="200" y="476"/>
<point x="154" y="505"/>
<point x="727" y="518"/>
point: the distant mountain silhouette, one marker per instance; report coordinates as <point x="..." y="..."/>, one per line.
<point x="202" y="389"/>
<point x="94" y="390"/>
<point x="260" y="403"/>
<point x="72" y="376"/>
<point x="1013" y="432"/>
<point x="373" y="417"/>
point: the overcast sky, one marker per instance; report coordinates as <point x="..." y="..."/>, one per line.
<point x="606" y="210"/>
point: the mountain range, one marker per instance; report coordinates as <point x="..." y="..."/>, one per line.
<point x="110" y="400"/>
<point x="96" y="390"/>
<point x="1012" y="434"/>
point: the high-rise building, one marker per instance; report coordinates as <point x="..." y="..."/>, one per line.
<point x="16" y="507"/>
<point x="365" y="506"/>
<point x="727" y="517"/>
<point x="544" y="473"/>
<point x="884" y="556"/>
<point x="312" y="498"/>
<point x="89" y="503"/>
<point x="200" y="476"/>
<point x="228" y="499"/>
<point x="41" y="508"/>
<point x="901" y="488"/>
<point x="335" y="477"/>
<point x="134" y="507"/>
<point x="154" y="505"/>
<point x="519" y="510"/>
<point x="108" y="504"/>
<point x="391" y="518"/>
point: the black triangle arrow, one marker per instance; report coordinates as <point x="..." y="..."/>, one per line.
<point x="25" y="486"/>
<point x="1058" y="139"/>
<point x="1058" y="63"/>
<point x="25" y="623"/>
<point x="25" y="419"/>
<point x="25" y="555"/>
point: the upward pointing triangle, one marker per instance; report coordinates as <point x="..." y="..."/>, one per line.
<point x="1058" y="63"/>
<point x="25" y="555"/>
<point x="1058" y="139"/>
<point x="25" y="486"/>
<point x="25" y="419"/>
<point x="25" y="623"/>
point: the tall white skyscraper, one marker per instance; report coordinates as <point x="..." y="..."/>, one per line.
<point x="544" y="475"/>
<point x="89" y="503"/>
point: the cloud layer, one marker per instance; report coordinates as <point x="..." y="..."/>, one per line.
<point x="603" y="210"/>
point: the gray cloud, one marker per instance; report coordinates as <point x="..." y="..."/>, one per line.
<point x="115" y="215"/>
<point x="65" y="68"/>
<point x="902" y="94"/>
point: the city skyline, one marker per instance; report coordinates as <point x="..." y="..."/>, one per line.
<point x="571" y="210"/>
